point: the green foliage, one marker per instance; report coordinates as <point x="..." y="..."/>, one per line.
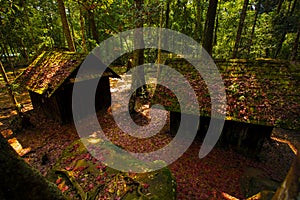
<point x="33" y="25"/>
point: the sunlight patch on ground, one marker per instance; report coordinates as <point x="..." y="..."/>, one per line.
<point x="15" y="144"/>
<point x="228" y="196"/>
<point x="292" y="147"/>
<point x="6" y="133"/>
<point x="120" y="85"/>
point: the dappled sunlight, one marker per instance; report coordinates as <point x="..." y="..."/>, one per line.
<point x="121" y="100"/>
<point x="7" y="132"/>
<point x="285" y="141"/>
<point x="216" y="176"/>
<point x="15" y="144"/>
<point x="228" y="196"/>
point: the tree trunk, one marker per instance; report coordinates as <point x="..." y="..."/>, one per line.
<point x="66" y="29"/>
<point x="253" y="26"/>
<point x="82" y="30"/>
<point x="296" y="45"/>
<point x="279" y="45"/>
<point x="11" y="60"/>
<point x="71" y="25"/>
<point x="198" y="25"/>
<point x="283" y="36"/>
<point x="5" y="53"/>
<point x="168" y="2"/>
<point x="10" y="92"/>
<point x="240" y="29"/>
<point x="185" y="17"/>
<point x="93" y="27"/>
<point x="167" y="22"/>
<point x="209" y="26"/>
<point x="23" y="58"/>
<point x="138" y="76"/>
<point x="58" y="38"/>
<point x="20" y="181"/>
<point x="216" y="31"/>
<point x="159" y="40"/>
<point x="31" y="31"/>
<point x="293" y="7"/>
<point x="279" y="6"/>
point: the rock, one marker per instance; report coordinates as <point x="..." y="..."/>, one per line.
<point x="254" y="180"/>
<point x="81" y="176"/>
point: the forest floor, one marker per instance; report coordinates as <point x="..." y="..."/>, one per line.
<point x="217" y="176"/>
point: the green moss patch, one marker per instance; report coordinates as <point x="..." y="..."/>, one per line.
<point x="81" y="176"/>
<point x="264" y="92"/>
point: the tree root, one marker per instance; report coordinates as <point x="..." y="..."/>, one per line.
<point x="93" y="194"/>
<point x="74" y="183"/>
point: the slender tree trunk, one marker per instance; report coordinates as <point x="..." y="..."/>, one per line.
<point x="23" y="51"/>
<point x="138" y="76"/>
<point x="289" y="8"/>
<point x="209" y="26"/>
<point x="57" y="40"/>
<point x="293" y="7"/>
<point x="168" y="2"/>
<point x="240" y="29"/>
<point x="20" y="181"/>
<point x="217" y="27"/>
<point x="279" y="45"/>
<point x="6" y="56"/>
<point x="198" y="25"/>
<point x="279" y="6"/>
<point x="159" y="61"/>
<point x="185" y="17"/>
<point x="216" y="31"/>
<point x="10" y="92"/>
<point x="283" y="36"/>
<point x="71" y="25"/>
<point x="253" y="26"/>
<point x="93" y="27"/>
<point x="139" y="39"/>
<point x="167" y="22"/>
<point x="159" y="41"/>
<point x="66" y="29"/>
<point x="296" y="45"/>
<point x="12" y="61"/>
<point x="32" y="38"/>
<point x="82" y="30"/>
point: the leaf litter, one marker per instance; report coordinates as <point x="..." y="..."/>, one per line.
<point x="208" y="178"/>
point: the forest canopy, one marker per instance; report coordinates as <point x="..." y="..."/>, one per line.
<point x="233" y="29"/>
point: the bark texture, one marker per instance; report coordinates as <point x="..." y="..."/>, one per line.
<point x="209" y="26"/>
<point x="240" y="29"/>
<point x="62" y="12"/>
